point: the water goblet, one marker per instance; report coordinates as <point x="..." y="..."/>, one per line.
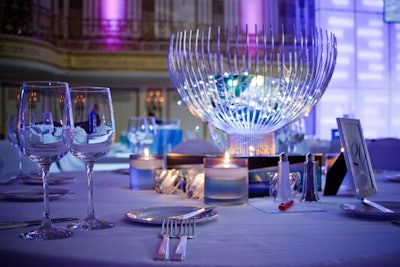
<point x="141" y="132"/>
<point x="149" y="132"/>
<point x="45" y="130"/>
<point x="132" y="133"/>
<point x="94" y="135"/>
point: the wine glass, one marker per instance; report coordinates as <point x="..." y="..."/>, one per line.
<point x="141" y="132"/>
<point x="94" y="135"/>
<point x="148" y="131"/>
<point x="132" y="133"/>
<point x="13" y="138"/>
<point x="45" y="130"/>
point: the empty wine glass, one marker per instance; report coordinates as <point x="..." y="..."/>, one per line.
<point x="45" y="133"/>
<point x="141" y="132"/>
<point x="94" y="135"/>
<point x="132" y="133"/>
<point x="149" y="132"/>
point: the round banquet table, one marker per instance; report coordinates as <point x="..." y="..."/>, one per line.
<point x="256" y="234"/>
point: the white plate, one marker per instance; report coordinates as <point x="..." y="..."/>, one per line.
<point x="35" y="194"/>
<point x="156" y="215"/>
<point x="393" y="178"/>
<point x="52" y="180"/>
<point x="363" y="210"/>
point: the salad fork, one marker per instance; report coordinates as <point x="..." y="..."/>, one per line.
<point x="186" y="229"/>
<point x="162" y="252"/>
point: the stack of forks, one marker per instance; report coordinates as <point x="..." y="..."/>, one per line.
<point x="175" y="228"/>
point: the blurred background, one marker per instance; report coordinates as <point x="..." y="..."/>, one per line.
<point x="123" y="44"/>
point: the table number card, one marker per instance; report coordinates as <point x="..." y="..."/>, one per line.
<point x="356" y="156"/>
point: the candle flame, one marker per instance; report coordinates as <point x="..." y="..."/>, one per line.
<point x="226" y="157"/>
<point x="146" y="151"/>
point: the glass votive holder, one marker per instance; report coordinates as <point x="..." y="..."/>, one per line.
<point x="226" y="181"/>
<point x="295" y="188"/>
<point x="195" y="186"/>
<point x="143" y="171"/>
<point x="168" y="181"/>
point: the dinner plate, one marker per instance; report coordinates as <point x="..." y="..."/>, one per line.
<point x="52" y="179"/>
<point x="363" y="210"/>
<point x="34" y="194"/>
<point x="393" y="178"/>
<point x="156" y="215"/>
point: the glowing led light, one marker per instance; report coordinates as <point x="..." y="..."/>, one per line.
<point x="372" y="3"/>
<point x="369" y="55"/>
<point x="368" y="76"/>
<point x="376" y="67"/>
<point x="340" y="2"/>
<point x="370" y="33"/>
<point x="340" y="22"/>
<point x="341" y="75"/>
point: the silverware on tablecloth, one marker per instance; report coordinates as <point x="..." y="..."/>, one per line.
<point x="186" y="229"/>
<point x="12" y="225"/>
<point x="192" y="213"/>
<point x="162" y="252"/>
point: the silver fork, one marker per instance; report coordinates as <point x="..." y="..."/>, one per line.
<point x="162" y="252"/>
<point x="186" y="229"/>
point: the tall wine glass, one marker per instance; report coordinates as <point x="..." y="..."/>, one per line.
<point x="132" y="133"/>
<point x="45" y="130"/>
<point x="94" y="135"/>
<point x="13" y="138"/>
<point x="148" y="131"/>
<point x="141" y="132"/>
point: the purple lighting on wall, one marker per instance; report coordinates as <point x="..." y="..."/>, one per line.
<point x="112" y="14"/>
<point x="251" y="13"/>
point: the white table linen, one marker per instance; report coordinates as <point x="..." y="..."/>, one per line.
<point x="257" y="234"/>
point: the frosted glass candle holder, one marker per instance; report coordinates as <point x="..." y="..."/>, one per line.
<point x="143" y="171"/>
<point x="226" y="181"/>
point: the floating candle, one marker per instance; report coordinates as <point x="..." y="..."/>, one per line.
<point x="226" y="180"/>
<point x="143" y="170"/>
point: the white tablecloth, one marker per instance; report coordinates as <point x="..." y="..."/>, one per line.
<point x="257" y="234"/>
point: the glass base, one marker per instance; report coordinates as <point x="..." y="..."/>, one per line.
<point x="90" y="224"/>
<point x="255" y="144"/>
<point x="47" y="233"/>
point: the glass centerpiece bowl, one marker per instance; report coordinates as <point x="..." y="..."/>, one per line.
<point x="251" y="84"/>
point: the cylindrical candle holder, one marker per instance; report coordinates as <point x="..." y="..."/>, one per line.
<point x="226" y="181"/>
<point x="143" y="171"/>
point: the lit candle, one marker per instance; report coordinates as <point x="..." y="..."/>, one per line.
<point x="226" y="180"/>
<point x="143" y="170"/>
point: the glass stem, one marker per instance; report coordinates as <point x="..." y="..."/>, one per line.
<point x="89" y="172"/>
<point x="46" y="202"/>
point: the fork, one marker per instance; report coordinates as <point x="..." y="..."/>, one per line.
<point x="162" y="252"/>
<point x="187" y="229"/>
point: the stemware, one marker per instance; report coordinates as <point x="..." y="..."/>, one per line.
<point x="94" y="135"/>
<point x="141" y="132"/>
<point x="148" y="132"/>
<point x="45" y="130"/>
<point x="132" y="134"/>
